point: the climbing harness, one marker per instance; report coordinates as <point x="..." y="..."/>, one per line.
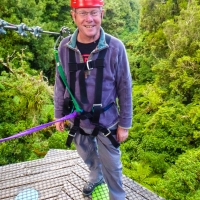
<point x="97" y="109"/>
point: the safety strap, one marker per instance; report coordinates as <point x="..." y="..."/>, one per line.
<point x="62" y="75"/>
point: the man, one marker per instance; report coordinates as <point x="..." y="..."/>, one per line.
<point x="96" y="68"/>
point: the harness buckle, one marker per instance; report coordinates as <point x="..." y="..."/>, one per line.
<point x="87" y="65"/>
<point x="99" y="104"/>
<point x="72" y="135"/>
<point x="107" y="134"/>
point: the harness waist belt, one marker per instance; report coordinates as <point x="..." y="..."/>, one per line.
<point x="107" y="133"/>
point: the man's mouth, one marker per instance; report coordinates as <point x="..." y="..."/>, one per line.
<point x="89" y="26"/>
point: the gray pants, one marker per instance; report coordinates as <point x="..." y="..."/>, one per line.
<point x="103" y="160"/>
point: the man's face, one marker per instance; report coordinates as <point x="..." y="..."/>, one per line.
<point x="88" y="21"/>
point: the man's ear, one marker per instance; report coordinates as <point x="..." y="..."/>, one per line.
<point x="73" y="15"/>
<point x="102" y="14"/>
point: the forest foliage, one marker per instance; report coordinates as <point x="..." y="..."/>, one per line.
<point x="163" y="145"/>
<point x="162" y="40"/>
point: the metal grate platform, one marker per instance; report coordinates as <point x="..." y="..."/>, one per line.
<point x="61" y="175"/>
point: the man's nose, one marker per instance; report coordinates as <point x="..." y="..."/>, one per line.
<point x="89" y="16"/>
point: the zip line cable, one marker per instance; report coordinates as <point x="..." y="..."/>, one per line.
<point x="22" y="28"/>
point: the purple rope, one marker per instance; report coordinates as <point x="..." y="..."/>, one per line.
<point x="37" y="128"/>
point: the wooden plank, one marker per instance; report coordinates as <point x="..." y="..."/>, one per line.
<point x="76" y="181"/>
<point x="62" y="196"/>
<point x="72" y="191"/>
<point x="49" y="193"/>
<point x="84" y="166"/>
<point x="58" y="152"/>
<point x="35" y="178"/>
<point x="10" y="192"/>
<point x="45" y="194"/>
<point x="81" y="172"/>
<point x="132" y="195"/>
<point x="38" y="162"/>
<point x="28" y="171"/>
<point x="139" y="189"/>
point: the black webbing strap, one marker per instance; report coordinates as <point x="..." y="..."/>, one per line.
<point x="109" y="136"/>
<point x="72" y="132"/>
<point x="113" y="141"/>
<point x="107" y="133"/>
<point x="73" y="68"/>
<point x="72" y="75"/>
<point x="97" y="106"/>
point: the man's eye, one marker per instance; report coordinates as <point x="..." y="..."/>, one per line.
<point x="82" y="13"/>
<point x="94" y="12"/>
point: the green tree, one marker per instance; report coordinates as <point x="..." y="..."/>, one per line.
<point x="181" y="67"/>
<point x="26" y="101"/>
<point x="164" y="59"/>
<point x="182" y="180"/>
<point x="121" y="18"/>
<point x="34" y="13"/>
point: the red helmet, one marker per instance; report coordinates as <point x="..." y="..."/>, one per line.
<point x="86" y="3"/>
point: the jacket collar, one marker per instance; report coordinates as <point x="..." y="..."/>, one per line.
<point x="101" y="45"/>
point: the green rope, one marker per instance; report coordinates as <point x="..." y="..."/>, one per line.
<point x="62" y="75"/>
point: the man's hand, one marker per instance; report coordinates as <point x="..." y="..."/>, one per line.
<point x="122" y="134"/>
<point x="60" y="126"/>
